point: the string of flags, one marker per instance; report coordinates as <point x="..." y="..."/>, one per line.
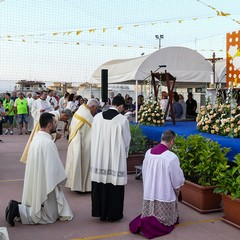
<point x="26" y="38"/>
<point x="78" y="43"/>
<point x="219" y="13"/>
<point x="105" y="45"/>
<point x="120" y="28"/>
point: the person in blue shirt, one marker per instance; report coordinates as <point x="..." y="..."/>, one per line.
<point x="177" y="107"/>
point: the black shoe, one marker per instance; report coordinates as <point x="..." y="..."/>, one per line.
<point x="112" y="220"/>
<point x="12" y="212"/>
<point x="79" y="192"/>
<point x="8" y="207"/>
<point x="103" y="219"/>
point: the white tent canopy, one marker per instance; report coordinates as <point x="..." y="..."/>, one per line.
<point x="183" y="63"/>
<point x="220" y="71"/>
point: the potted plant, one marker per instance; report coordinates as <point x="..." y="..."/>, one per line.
<point x="228" y="185"/>
<point x="137" y="148"/>
<point x="201" y="160"/>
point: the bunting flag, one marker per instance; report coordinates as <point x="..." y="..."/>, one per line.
<point x="120" y="28"/>
<point x="92" y="30"/>
<point x="104" y="45"/>
<point x="78" y="32"/>
<point x="219" y="13"/>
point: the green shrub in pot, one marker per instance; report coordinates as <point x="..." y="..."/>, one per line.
<point x="228" y="181"/>
<point x="138" y="140"/>
<point x="201" y="159"/>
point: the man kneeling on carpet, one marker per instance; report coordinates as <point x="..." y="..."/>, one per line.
<point x="162" y="179"/>
<point x="43" y="200"/>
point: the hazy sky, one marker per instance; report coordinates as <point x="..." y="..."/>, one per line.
<point x="66" y="40"/>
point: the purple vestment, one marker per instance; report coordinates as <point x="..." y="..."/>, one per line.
<point x="150" y="226"/>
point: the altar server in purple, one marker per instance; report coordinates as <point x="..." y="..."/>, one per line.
<point x="162" y="180"/>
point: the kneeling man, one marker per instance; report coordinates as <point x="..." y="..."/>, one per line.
<point x="43" y="200"/>
<point x="162" y="180"/>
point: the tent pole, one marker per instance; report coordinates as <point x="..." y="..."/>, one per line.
<point x="136" y="107"/>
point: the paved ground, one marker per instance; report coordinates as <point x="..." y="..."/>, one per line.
<point x="193" y="226"/>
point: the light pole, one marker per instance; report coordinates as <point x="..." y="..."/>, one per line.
<point x="159" y="37"/>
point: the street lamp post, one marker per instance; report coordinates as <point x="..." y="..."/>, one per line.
<point x="159" y="37"/>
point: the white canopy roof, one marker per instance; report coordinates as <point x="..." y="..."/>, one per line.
<point x="220" y="71"/>
<point x="183" y="63"/>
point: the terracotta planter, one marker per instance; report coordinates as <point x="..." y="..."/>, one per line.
<point x="134" y="160"/>
<point x="231" y="210"/>
<point x="200" y="198"/>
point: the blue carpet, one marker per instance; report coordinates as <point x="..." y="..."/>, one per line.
<point x="187" y="128"/>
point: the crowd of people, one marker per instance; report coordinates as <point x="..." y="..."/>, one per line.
<point x="23" y="110"/>
<point x="182" y="109"/>
<point x="17" y="109"/>
<point x="98" y="143"/>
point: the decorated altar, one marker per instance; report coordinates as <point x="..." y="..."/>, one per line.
<point x="151" y="112"/>
<point x="221" y="117"/>
<point x="190" y="127"/>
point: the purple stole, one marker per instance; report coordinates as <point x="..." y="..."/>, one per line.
<point x="159" y="149"/>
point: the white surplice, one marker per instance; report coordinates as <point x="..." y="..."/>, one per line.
<point x="30" y="117"/>
<point x="108" y="158"/>
<point x="78" y="153"/>
<point x="37" y="106"/>
<point x="161" y="175"/>
<point x="162" y="179"/>
<point x="53" y="102"/>
<point x="43" y="200"/>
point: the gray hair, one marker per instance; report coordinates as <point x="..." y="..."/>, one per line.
<point x="67" y="111"/>
<point x="93" y="102"/>
<point x="168" y="136"/>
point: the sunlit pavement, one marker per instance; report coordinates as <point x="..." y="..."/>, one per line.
<point x="193" y="226"/>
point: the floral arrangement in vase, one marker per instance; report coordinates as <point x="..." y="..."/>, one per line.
<point x="151" y="114"/>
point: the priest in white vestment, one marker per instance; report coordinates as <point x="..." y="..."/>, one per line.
<point x="79" y="147"/>
<point x="162" y="180"/>
<point x="43" y="199"/>
<point x="30" y="100"/>
<point x="110" y="142"/>
<point x="52" y="100"/>
<point x="63" y="116"/>
<point x="39" y="106"/>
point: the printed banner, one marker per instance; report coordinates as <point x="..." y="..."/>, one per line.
<point x="233" y="59"/>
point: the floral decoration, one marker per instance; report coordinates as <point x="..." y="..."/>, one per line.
<point x="151" y="114"/>
<point x="222" y="119"/>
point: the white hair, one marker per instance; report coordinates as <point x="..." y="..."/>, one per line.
<point x="92" y="102"/>
<point x="67" y="111"/>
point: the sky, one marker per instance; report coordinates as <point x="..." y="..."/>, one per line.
<point x="66" y="40"/>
